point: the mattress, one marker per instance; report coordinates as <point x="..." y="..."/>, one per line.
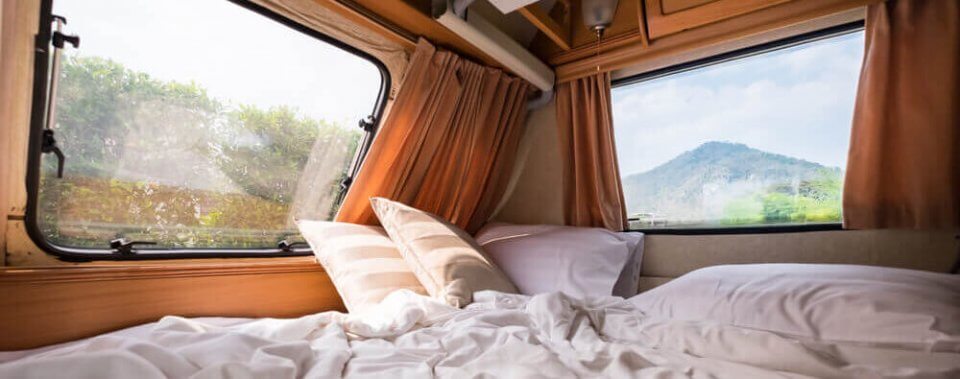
<point x="499" y="335"/>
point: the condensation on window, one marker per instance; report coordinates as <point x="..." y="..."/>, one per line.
<point x="214" y="128"/>
<point x="756" y="141"/>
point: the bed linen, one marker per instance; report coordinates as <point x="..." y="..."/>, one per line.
<point x="886" y="306"/>
<point x="499" y="335"/>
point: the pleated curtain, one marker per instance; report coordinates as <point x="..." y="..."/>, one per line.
<point x="593" y="194"/>
<point x="448" y="144"/>
<point x="904" y="163"/>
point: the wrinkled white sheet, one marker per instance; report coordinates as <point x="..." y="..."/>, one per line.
<point x="499" y="335"/>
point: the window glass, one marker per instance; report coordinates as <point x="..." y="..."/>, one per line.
<point x="760" y="140"/>
<point x="198" y="124"/>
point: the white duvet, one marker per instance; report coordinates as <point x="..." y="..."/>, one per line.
<point x="499" y="335"/>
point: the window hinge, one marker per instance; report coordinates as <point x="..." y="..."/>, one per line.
<point x="123" y="247"/>
<point x="368" y="124"/>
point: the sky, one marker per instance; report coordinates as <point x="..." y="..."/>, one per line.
<point x="236" y="54"/>
<point x="796" y="102"/>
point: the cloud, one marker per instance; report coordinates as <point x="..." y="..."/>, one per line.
<point x="796" y="102"/>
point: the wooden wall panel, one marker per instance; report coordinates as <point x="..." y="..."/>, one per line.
<point x="668" y="17"/>
<point x="671" y="6"/>
<point x="628" y="50"/>
<point x="43" y="306"/>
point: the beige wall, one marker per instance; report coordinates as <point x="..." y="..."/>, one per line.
<point x="537" y="195"/>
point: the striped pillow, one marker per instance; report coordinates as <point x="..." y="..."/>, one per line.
<point x="448" y="262"/>
<point x="361" y="260"/>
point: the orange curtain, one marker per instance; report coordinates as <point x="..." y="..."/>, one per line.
<point x="904" y="163"/>
<point x="448" y="144"/>
<point x="593" y="195"/>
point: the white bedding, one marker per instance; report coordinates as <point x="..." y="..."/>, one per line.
<point x="499" y="335"/>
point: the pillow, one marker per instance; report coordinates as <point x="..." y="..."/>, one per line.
<point x="448" y="262"/>
<point x="820" y="302"/>
<point x="577" y="261"/>
<point x="361" y="260"/>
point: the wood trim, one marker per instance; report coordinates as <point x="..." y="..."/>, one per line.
<point x="547" y="25"/>
<point x="661" y="24"/>
<point x="625" y="51"/>
<point x="663" y="61"/>
<point x="642" y="24"/>
<point x="157" y="270"/>
<point x="42" y="306"/>
<point x="631" y="39"/>
<point x="362" y="15"/>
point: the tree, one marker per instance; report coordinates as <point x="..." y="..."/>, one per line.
<point x="100" y="102"/>
<point x="266" y="151"/>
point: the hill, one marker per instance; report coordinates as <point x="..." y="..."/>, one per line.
<point x="713" y="180"/>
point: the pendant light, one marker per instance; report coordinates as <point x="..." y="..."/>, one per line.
<point x="597" y="16"/>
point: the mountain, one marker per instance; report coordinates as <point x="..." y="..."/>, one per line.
<point x="701" y="183"/>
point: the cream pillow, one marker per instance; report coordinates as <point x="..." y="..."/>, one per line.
<point x="361" y="260"/>
<point x="448" y="262"/>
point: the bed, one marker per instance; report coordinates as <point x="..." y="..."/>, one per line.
<point x="425" y="299"/>
<point x="557" y="335"/>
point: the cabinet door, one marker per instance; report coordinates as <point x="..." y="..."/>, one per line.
<point x="665" y="17"/>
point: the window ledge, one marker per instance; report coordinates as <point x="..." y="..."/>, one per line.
<point x="105" y="271"/>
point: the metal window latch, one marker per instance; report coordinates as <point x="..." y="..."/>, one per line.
<point x="345" y="183"/>
<point x="59" y="38"/>
<point x="287" y="247"/>
<point x="368" y="124"/>
<point x="123" y="247"/>
<point x="49" y="145"/>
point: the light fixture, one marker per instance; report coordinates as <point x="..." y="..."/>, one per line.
<point x="598" y="14"/>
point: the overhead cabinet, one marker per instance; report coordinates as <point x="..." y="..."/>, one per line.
<point x="666" y="17"/>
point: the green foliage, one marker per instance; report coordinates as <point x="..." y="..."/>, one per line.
<point x="743" y="211"/>
<point x="815" y="200"/>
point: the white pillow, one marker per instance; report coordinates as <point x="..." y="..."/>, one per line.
<point x="580" y="262"/>
<point x="819" y="302"/>
<point x="362" y="262"/>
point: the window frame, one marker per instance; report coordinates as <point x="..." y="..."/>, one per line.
<point x="34" y="155"/>
<point x="767" y="47"/>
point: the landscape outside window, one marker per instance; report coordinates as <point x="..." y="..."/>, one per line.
<point x="760" y="140"/>
<point x="198" y="124"/>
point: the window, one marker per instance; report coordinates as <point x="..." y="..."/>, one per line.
<point x="199" y="127"/>
<point x="754" y="138"/>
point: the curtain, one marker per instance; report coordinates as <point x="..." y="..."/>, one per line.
<point x="904" y="163"/>
<point x="448" y="144"/>
<point x="593" y="195"/>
